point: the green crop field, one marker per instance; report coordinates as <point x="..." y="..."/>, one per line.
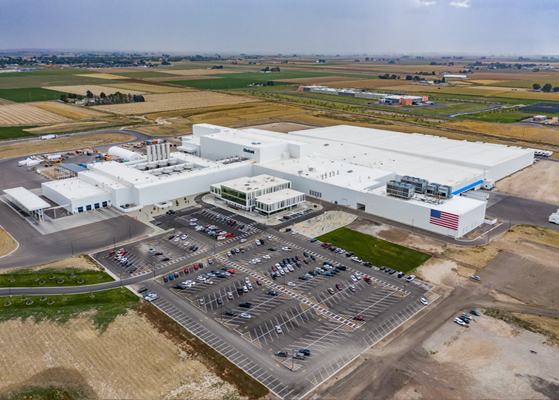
<point x="507" y="117"/>
<point x="29" y="94"/>
<point x="242" y="80"/>
<point x="109" y="304"/>
<point x="14" y="132"/>
<point x="376" y="251"/>
<point x="143" y="74"/>
<point x="53" y="277"/>
<point x="36" y="79"/>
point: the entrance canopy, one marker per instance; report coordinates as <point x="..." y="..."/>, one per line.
<point x="28" y="201"/>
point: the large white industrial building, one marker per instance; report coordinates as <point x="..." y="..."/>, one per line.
<point x="347" y="165"/>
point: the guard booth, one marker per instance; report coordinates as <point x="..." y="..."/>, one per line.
<point x="28" y="202"/>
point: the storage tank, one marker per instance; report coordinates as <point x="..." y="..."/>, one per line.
<point x="168" y="170"/>
<point x="152" y="165"/>
<point x="125" y="154"/>
<point x="157" y="172"/>
<point x="173" y="161"/>
<point x="178" y="168"/>
<point x="162" y="163"/>
<point x="142" y="167"/>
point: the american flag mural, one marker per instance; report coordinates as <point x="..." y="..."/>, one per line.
<point x="444" y="219"/>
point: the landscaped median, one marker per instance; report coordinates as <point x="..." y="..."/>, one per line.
<point x="376" y="251"/>
<point x="75" y="271"/>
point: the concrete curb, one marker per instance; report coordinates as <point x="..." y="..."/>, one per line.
<point x="14" y="239"/>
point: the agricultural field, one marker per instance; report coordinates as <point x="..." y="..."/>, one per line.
<point x="197" y="72"/>
<point x="67" y="106"/>
<point x="504" y="116"/>
<point x="141" y="73"/>
<point x="322" y="80"/>
<point x="25" y="95"/>
<point x="376" y="251"/>
<point x="65" y="112"/>
<point x="147" y="88"/>
<point x="81" y="90"/>
<point x="109" y="77"/>
<point x="82" y="125"/>
<point x="25" y="114"/>
<point x="37" y="80"/>
<point x="14" y="132"/>
<point x="175" y="101"/>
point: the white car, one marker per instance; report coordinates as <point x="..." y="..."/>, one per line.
<point x="193" y="224"/>
<point x="243" y="240"/>
<point x="410" y="278"/>
<point x="258" y="242"/>
<point x="353" y="278"/>
<point x="266" y="256"/>
<point x="290" y="268"/>
<point x="227" y="273"/>
<point x="221" y="238"/>
<point x="247" y="280"/>
<point x="291" y="284"/>
<point x="294" y="232"/>
<point x="286" y="248"/>
<point x="183" y="237"/>
<point x="357" y="276"/>
<point x="201" y="278"/>
<point x="249" y="285"/>
<point x="424" y="301"/>
<point x="228" y="254"/>
<point x="177" y="239"/>
<point x="246" y="315"/>
<point x="186" y="243"/>
<point x="278" y="329"/>
<point x="269" y="238"/>
<point x="208" y="282"/>
<point x="193" y="219"/>
<point x="245" y="289"/>
<point x="459" y="322"/>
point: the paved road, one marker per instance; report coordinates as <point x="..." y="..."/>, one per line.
<point x="137" y="136"/>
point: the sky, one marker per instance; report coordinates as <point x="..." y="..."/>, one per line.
<point x="329" y="27"/>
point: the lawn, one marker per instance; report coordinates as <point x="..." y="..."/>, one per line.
<point x="109" y="304"/>
<point x="24" y="95"/>
<point x="53" y="277"/>
<point x="14" y="132"/>
<point x="507" y="117"/>
<point x="376" y="251"/>
<point x="242" y="80"/>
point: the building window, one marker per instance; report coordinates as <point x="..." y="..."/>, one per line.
<point x="315" y="194"/>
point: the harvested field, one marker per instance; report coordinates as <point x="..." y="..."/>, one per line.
<point x="4" y="102"/>
<point x="504" y="76"/>
<point x="96" y="90"/>
<point x="102" y="76"/>
<point x="537" y="182"/>
<point x="77" y="126"/>
<point x="195" y="72"/>
<point x="65" y="112"/>
<point x="7" y="243"/>
<point x="69" y="106"/>
<point x="82" y="262"/>
<point x="44" y="146"/>
<point x="180" y="78"/>
<point x="166" y="130"/>
<point x="485" y="81"/>
<point x="130" y="360"/>
<point x="367" y="83"/>
<point x="25" y="114"/>
<point x="147" y="88"/>
<point x="176" y="101"/>
<point x="320" y="79"/>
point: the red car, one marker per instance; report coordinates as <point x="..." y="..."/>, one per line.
<point x="196" y="267"/>
<point x="274" y="268"/>
<point x="258" y="282"/>
<point x="229" y="235"/>
<point x="124" y="252"/>
<point x="367" y="279"/>
<point x="338" y="286"/>
<point x="112" y="253"/>
<point x="359" y="318"/>
<point x="186" y="270"/>
<point x="298" y="258"/>
<point x="231" y="271"/>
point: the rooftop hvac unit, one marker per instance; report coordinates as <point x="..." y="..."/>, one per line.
<point x="420" y="184"/>
<point x="400" y="189"/>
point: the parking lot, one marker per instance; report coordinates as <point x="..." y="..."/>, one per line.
<point x="335" y="317"/>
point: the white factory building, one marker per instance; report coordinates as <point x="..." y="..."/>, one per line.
<point x="346" y="165"/>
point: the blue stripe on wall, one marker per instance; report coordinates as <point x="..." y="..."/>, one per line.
<point x="467" y="187"/>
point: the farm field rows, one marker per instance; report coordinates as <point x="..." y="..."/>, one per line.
<point x="25" y="114"/>
<point x="65" y="112"/>
<point x="109" y="77"/>
<point x="24" y="95"/>
<point x="147" y="88"/>
<point x="175" y="101"/>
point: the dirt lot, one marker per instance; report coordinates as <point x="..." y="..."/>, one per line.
<point x="537" y="182"/>
<point x="130" y="360"/>
<point x="324" y="223"/>
<point x="7" y="243"/>
<point x="26" y="114"/>
<point x="489" y="359"/>
<point x="45" y="146"/>
<point x="175" y="101"/>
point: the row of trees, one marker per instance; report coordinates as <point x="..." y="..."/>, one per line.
<point x="273" y="69"/>
<point x="113" y="98"/>
<point x="546" y="88"/>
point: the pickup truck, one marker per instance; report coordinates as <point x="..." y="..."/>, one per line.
<point x="245" y="304"/>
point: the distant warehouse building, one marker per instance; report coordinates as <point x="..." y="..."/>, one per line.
<point x="413" y="179"/>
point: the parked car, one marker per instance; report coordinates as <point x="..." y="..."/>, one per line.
<point x="476" y="278"/>
<point x="278" y="329"/>
<point x="410" y="278"/>
<point x="424" y="301"/>
<point x="359" y="318"/>
<point x="281" y="353"/>
<point x="475" y="312"/>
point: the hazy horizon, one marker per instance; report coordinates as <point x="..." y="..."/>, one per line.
<point x="430" y="27"/>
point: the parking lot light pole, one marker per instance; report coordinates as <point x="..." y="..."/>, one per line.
<point x="292" y="355"/>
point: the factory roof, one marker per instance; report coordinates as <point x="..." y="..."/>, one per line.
<point x="478" y="155"/>
<point x="250" y="184"/>
<point x="75" y="188"/>
<point x="28" y="200"/>
<point x="72" y="167"/>
<point x="255" y="138"/>
<point x="278" y="196"/>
